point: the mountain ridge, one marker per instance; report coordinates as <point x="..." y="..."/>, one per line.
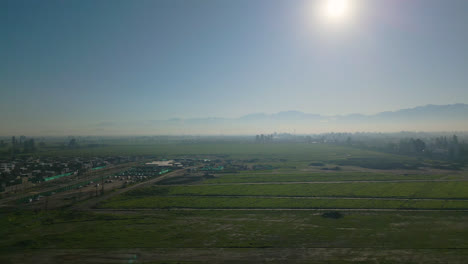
<point x="455" y="108"/>
<point x="428" y="118"/>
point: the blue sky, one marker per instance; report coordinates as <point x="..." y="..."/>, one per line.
<point x="72" y="64"/>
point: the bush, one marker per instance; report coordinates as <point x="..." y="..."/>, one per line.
<point x="316" y="164"/>
<point x="333" y="215"/>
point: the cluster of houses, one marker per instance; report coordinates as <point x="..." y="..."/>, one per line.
<point x="23" y="172"/>
<point x="19" y="173"/>
<point x="165" y="163"/>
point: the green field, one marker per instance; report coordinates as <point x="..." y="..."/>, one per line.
<point x="290" y="151"/>
<point x="445" y="190"/>
<point x="277" y="229"/>
<point x="235" y="235"/>
<point x="402" y="214"/>
<point x="248" y="177"/>
<point x="286" y="156"/>
<point x="393" y="195"/>
<point x="279" y="203"/>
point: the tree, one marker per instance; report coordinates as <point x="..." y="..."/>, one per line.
<point x="72" y="143"/>
<point x="418" y="145"/>
<point x="454" y="148"/>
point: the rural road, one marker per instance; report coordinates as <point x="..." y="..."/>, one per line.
<point x="323" y="197"/>
<point x="92" y="202"/>
<point x="279" y="209"/>
<point x="321" y="182"/>
<point x="88" y="176"/>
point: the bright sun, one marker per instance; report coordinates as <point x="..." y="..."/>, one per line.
<point x="336" y="10"/>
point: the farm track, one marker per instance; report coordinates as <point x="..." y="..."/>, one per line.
<point x="315" y="182"/>
<point x="321" y="197"/>
<point x="275" y="209"/>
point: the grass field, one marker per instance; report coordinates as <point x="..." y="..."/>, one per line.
<point x="445" y="190"/>
<point x="283" y="155"/>
<point x="280" y="203"/>
<point x="248" y="177"/>
<point x="290" y="151"/>
<point x="66" y="234"/>
<point x="260" y="220"/>
<point x="163" y="229"/>
<point x="378" y="195"/>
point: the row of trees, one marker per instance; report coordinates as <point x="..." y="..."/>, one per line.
<point x="435" y="147"/>
<point x="411" y="145"/>
<point x="264" y="138"/>
<point x="432" y="145"/>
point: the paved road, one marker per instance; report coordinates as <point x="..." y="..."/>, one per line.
<point x="88" y="176"/>
<point x="92" y="202"/>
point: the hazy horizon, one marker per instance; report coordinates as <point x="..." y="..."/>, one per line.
<point x="112" y="67"/>
<point x="429" y="118"/>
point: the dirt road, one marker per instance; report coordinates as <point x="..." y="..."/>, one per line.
<point x="278" y="209"/>
<point x="321" y="182"/>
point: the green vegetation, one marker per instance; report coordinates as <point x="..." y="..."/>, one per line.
<point x="247" y="177"/>
<point x="284" y="155"/>
<point x="398" y="195"/>
<point x="445" y="190"/>
<point x="284" y="202"/>
<point x="245" y="216"/>
<point x="221" y="229"/>
<point x="290" y="151"/>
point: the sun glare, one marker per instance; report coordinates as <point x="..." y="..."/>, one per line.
<point x="336" y="10"/>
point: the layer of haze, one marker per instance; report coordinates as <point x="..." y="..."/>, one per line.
<point x="72" y="67"/>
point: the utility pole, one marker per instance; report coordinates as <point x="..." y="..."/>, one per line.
<point x="46" y="203"/>
<point x="102" y="183"/>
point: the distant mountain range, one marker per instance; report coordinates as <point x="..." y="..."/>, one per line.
<point x="423" y="118"/>
<point x="429" y="118"/>
<point x="421" y="112"/>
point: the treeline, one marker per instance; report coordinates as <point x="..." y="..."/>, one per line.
<point x="264" y="138"/>
<point x="28" y="145"/>
<point x="73" y="143"/>
<point x="431" y="145"/>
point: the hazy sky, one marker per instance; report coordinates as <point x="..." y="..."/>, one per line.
<point x="77" y="63"/>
